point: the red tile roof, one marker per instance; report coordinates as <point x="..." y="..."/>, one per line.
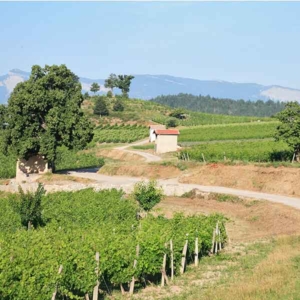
<point x="167" y="132"/>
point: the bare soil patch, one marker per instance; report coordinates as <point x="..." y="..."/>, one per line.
<point x="281" y="180"/>
<point x="154" y="171"/>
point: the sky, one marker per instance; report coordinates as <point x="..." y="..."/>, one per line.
<point x="232" y="41"/>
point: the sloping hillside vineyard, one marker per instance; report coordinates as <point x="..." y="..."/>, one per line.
<point x="255" y="130"/>
<point x="120" y="133"/>
<point x="75" y="230"/>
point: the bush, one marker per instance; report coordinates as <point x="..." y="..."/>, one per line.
<point x="147" y="194"/>
<point x="30" y="207"/>
<point x="172" y="122"/>
<point x="101" y="107"/>
<point x="118" y="106"/>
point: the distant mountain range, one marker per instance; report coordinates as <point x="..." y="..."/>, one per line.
<point x="150" y="86"/>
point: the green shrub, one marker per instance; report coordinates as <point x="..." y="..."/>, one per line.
<point x="30" y="207"/>
<point x="100" y="108"/>
<point x="171" y="122"/>
<point x="118" y="106"/>
<point x="147" y="194"/>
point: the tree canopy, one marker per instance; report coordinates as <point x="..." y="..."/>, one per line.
<point x="111" y="82"/>
<point x="95" y="87"/>
<point x="124" y="82"/>
<point x="44" y="113"/>
<point x="289" y="129"/>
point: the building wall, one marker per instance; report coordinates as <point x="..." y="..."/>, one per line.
<point x="165" y="143"/>
<point x="152" y="135"/>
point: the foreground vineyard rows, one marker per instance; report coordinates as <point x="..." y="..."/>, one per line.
<point x="74" y="229"/>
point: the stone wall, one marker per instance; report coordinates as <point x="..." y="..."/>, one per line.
<point x="34" y="165"/>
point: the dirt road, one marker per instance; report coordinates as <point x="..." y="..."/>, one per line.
<point x="148" y="156"/>
<point x="172" y="187"/>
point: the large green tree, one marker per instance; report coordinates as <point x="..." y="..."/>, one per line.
<point x="111" y="82"/>
<point x="123" y="83"/>
<point x="95" y="87"/>
<point x="44" y="113"/>
<point x="289" y="129"/>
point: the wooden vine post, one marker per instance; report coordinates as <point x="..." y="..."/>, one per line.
<point x="213" y="241"/>
<point x="172" y="259"/>
<point x="55" y="291"/>
<point x="220" y="242"/>
<point x="131" y="289"/>
<point x="216" y="241"/>
<point x="164" y="277"/>
<point x="196" y="252"/>
<point x="183" y="258"/>
<point x="96" y="287"/>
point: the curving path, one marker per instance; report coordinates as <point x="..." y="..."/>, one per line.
<point x="148" y="156"/>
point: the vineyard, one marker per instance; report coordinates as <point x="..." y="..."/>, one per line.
<point x="59" y="257"/>
<point x="258" y="151"/>
<point x="257" y="130"/>
<point x="120" y="133"/>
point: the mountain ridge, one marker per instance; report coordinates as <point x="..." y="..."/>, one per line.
<point x="148" y="86"/>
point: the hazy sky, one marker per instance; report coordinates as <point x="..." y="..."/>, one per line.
<point x="241" y="42"/>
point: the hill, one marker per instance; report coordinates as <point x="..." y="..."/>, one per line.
<point x="150" y="86"/>
<point x="212" y="105"/>
<point x="143" y="112"/>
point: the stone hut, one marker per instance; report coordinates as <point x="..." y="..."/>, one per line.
<point x="166" y="140"/>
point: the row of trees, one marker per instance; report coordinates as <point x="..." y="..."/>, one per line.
<point x="121" y="82"/>
<point x="213" y="105"/>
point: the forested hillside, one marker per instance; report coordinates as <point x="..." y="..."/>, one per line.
<point x="225" y="106"/>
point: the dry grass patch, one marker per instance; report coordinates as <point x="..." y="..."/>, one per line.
<point x="280" y="180"/>
<point x="61" y="179"/>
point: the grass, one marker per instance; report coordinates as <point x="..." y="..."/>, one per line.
<point x="263" y="270"/>
<point x="144" y="147"/>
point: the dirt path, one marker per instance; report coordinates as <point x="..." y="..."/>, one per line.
<point x="148" y="156"/>
<point x="172" y="187"/>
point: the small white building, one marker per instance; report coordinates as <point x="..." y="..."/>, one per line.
<point x="152" y="135"/>
<point x="166" y="140"/>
